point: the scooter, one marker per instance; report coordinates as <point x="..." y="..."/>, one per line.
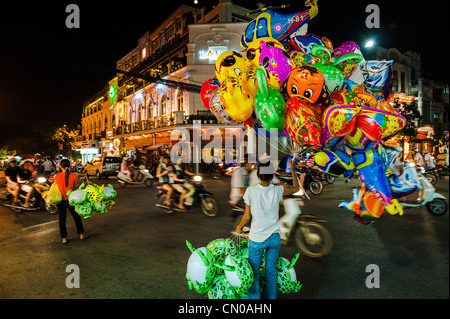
<point x="435" y="202"/>
<point x="443" y="171"/>
<point x="432" y="175"/>
<point x="197" y="195"/>
<point x="36" y="200"/>
<point x="146" y="178"/>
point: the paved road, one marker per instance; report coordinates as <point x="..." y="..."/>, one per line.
<point x="136" y="251"/>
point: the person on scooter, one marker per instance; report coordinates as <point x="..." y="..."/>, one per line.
<point x="11" y="179"/>
<point x="177" y="184"/>
<point x="182" y="173"/>
<point x="124" y="168"/>
<point x="429" y="160"/>
<point x="162" y="172"/>
<point x="23" y="178"/>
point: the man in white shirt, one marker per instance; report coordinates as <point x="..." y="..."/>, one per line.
<point x="429" y="161"/>
<point x="418" y="158"/>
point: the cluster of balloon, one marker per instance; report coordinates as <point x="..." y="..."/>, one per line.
<point x="221" y="270"/>
<point x="92" y="198"/>
<point x="318" y="95"/>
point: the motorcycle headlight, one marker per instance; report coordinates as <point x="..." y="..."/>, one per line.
<point x="146" y="171"/>
<point x="198" y="178"/>
<point x="42" y="180"/>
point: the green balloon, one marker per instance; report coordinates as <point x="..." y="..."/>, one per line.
<point x="334" y="78"/>
<point x="269" y="104"/>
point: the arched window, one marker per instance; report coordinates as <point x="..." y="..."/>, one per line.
<point x="150" y="109"/>
<point x="180" y="106"/>
<point x="139" y="110"/>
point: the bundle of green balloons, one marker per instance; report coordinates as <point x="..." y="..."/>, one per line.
<point x="221" y="270"/>
<point x="92" y="198"/>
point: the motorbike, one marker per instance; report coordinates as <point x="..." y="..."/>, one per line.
<point x="197" y="196"/>
<point x="412" y="179"/>
<point x="434" y="202"/>
<point x="311" y="182"/>
<point x="443" y="171"/>
<point x="145" y="178"/>
<point x="308" y="231"/>
<point x="224" y="170"/>
<point x="432" y="175"/>
<point x="36" y="201"/>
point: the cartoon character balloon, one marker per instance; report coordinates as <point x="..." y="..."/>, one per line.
<point x="229" y="64"/>
<point x="308" y="83"/>
<point x="207" y="90"/>
<point x="277" y="64"/>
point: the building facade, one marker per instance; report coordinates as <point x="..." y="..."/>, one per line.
<point x="137" y="113"/>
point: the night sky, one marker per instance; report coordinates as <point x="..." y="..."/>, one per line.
<point x="48" y="70"/>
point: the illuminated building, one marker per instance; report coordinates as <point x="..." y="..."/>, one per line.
<point x="131" y="113"/>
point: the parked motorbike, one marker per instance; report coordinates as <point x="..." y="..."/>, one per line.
<point x="36" y="201"/>
<point x="197" y="196"/>
<point x="145" y="178"/>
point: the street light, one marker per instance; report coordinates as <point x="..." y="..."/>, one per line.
<point x="369" y="44"/>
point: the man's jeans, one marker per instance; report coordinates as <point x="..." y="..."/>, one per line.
<point x="255" y="253"/>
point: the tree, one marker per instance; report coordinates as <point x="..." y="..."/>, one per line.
<point x="64" y="136"/>
<point x="412" y="115"/>
<point x="5" y="152"/>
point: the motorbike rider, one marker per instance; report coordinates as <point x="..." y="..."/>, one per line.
<point x="11" y="179"/>
<point x="124" y="168"/>
<point x="181" y="172"/>
<point x="23" y="178"/>
<point x="429" y="161"/>
<point x="177" y="184"/>
<point x="162" y="172"/>
<point x="418" y="158"/>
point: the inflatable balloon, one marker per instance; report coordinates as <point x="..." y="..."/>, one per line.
<point x="200" y="269"/>
<point x="238" y="272"/>
<point x="84" y="210"/>
<point x="308" y="83"/>
<point x="93" y="198"/>
<point x="222" y="289"/>
<point x="277" y="64"/>
<point x="377" y="77"/>
<point x="253" y="50"/>
<point x="220" y="248"/>
<point x="305" y="43"/>
<point x="109" y="192"/>
<point x="236" y="99"/>
<point x="334" y="78"/>
<point x="335" y="162"/>
<point x="207" y="90"/>
<point x="275" y="25"/>
<point x="269" y="104"/>
<point x="286" y="276"/>
<point x="301" y="123"/>
<point x="229" y="64"/>
<point x="76" y="197"/>
<point x="216" y="108"/>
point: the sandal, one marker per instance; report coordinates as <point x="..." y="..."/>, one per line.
<point x="83" y="236"/>
<point x="64" y="240"/>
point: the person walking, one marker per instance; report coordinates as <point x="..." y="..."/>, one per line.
<point x="262" y="206"/>
<point x="67" y="181"/>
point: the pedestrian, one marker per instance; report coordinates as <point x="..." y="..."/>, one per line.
<point x="418" y="158"/>
<point x="48" y="167"/>
<point x="67" y="181"/>
<point x="262" y="206"/>
<point x="239" y="182"/>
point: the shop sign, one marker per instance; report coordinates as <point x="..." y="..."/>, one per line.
<point x="212" y="53"/>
